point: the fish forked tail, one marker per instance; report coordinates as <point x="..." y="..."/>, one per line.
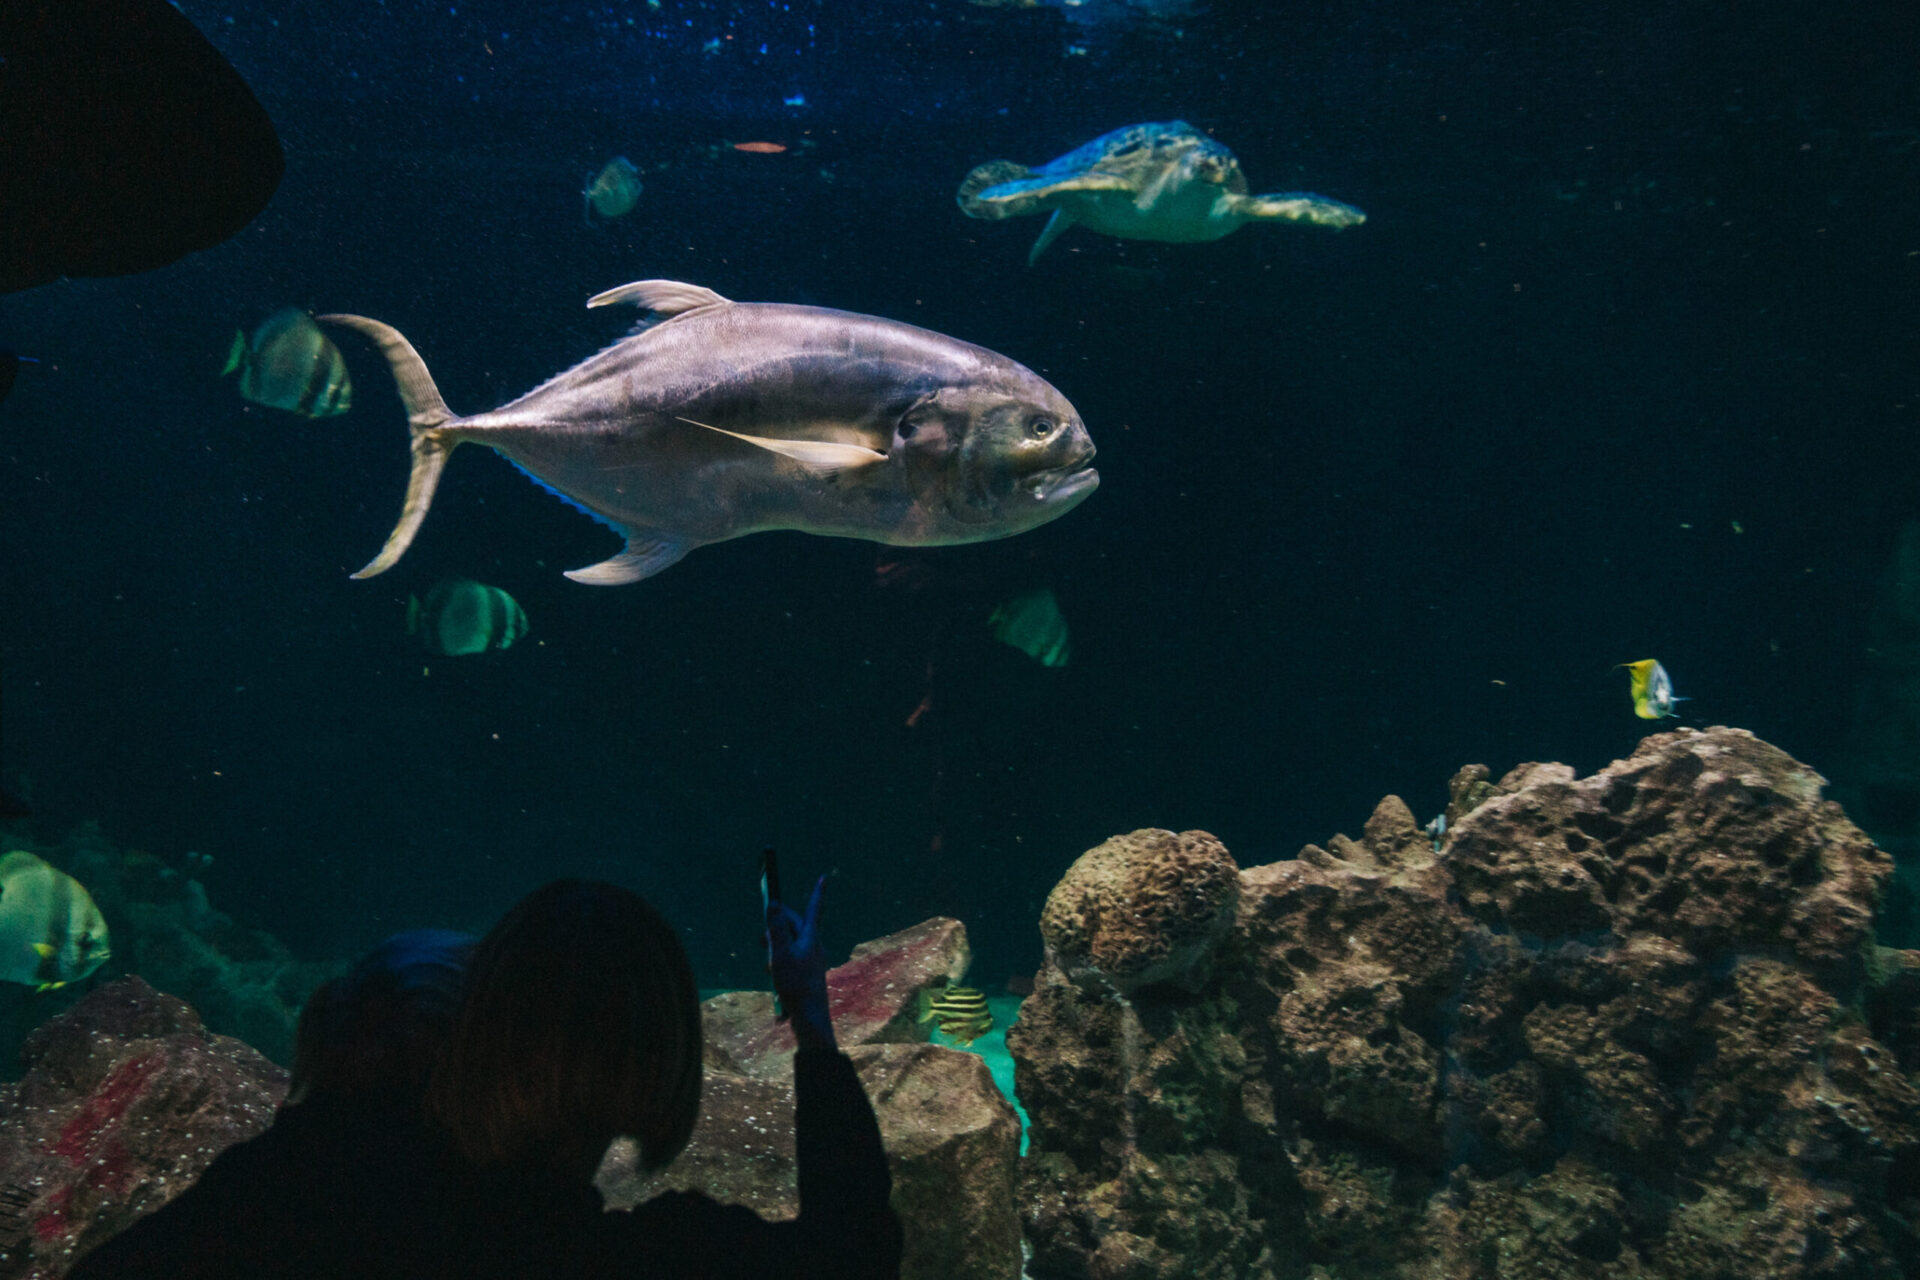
<point x="427" y="413"/>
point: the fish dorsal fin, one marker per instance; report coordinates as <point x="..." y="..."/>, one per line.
<point x="647" y="553"/>
<point x="823" y="457"/>
<point x="666" y="297"/>
<point x="15" y="863"/>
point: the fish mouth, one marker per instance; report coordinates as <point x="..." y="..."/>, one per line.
<point x="1075" y="478"/>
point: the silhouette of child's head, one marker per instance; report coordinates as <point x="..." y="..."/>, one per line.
<point x="378" y="1032"/>
<point x="580" y="1023"/>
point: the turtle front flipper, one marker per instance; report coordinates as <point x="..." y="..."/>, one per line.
<point x="994" y="174"/>
<point x="1297" y="206"/>
<point x="1059" y="222"/>
<point x="1003" y="189"/>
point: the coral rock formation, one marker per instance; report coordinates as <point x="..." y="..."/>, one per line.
<point x="1632" y="1025"/>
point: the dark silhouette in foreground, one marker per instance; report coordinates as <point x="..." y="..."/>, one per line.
<point x="130" y="141"/>
<point x="421" y="1142"/>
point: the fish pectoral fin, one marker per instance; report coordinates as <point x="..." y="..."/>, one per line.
<point x="44" y="950"/>
<point x="647" y="553"/>
<point x="667" y="297"/>
<point x="823" y="457"/>
<point x="1059" y="222"/>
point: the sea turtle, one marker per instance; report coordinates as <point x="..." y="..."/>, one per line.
<point x="1144" y="182"/>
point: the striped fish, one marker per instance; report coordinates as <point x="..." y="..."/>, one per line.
<point x="290" y="364"/>
<point x="461" y="617"/>
<point x="962" y="1012"/>
<point x="51" y="933"/>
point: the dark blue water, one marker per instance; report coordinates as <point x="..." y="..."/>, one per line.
<point x="1374" y="504"/>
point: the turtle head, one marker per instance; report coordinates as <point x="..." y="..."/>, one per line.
<point x="1212" y="164"/>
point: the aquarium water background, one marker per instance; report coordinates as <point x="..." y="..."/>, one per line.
<point x="1623" y="364"/>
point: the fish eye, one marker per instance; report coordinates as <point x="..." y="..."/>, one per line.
<point x="1040" y="428"/>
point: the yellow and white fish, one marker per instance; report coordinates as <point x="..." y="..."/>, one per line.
<point x="290" y="364"/>
<point x="51" y="933"/>
<point x="1652" y="689"/>
<point x="962" y="1012"/>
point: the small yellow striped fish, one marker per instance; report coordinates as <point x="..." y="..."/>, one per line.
<point x="962" y="1012"/>
<point x="291" y="365"/>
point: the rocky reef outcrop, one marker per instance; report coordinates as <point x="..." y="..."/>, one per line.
<point x="1631" y="1025"/>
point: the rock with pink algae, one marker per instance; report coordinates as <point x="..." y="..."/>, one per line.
<point x="126" y="1100"/>
<point x="1625" y="1027"/>
<point x="872" y="997"/>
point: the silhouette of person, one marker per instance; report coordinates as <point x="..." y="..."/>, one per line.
<point x="578" y="1022"/>
<point x="581" y="1023"/>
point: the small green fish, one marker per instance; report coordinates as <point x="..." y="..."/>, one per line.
<point x="51" y="933"/>
<point x="291" y="365"/>
<point x="460" y="617"/>
<point x="613" y="193"/>
<point x="962" y="1012"/>
<point x="1033" y="624"/>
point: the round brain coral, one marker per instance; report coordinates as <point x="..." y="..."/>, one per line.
<point x="1143" y="908"/>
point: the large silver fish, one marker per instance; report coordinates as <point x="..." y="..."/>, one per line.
<point x="735" y="418"/>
